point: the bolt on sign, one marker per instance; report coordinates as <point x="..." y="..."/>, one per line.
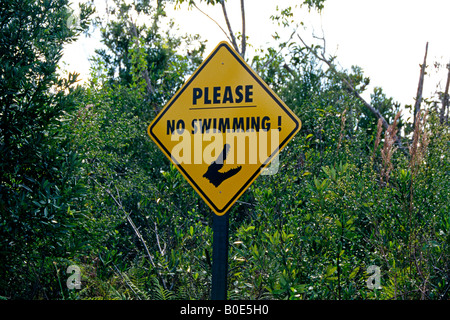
<point x="223" y="127"/>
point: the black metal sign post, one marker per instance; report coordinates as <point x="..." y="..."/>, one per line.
<point x="220" y="257"/>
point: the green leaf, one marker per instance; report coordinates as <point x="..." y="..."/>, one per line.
<point x="353" y="273"/>
<point x="249" y="228"/>
<point x="330" y="270"/>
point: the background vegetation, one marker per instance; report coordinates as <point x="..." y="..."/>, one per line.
<point x="82" y="184"/>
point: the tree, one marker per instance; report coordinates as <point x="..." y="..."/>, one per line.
<point x="38" y="172"/>
<point x="242" y="35"/>
<point x="129" y="197"/>
<point x="137" y="51"/>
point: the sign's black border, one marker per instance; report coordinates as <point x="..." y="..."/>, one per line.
<point x="263" y="85"/>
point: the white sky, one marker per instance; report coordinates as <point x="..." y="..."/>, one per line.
<point x="386" y="38"/>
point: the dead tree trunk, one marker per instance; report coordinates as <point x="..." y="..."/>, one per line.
<point x="445" y="99"/>
<point x="244" y="40"/>
<point x="420" y="86"/>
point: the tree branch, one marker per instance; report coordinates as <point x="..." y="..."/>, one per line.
<point x="420" y="86"/>
<point x="350" y="87"/>
<point x="226" y="34"/>
<point x="279" y="51"/>
<point x="445" y="98"/>
<point x="233" y="38"/>
<point x="243" y="41"/>
<point x="135" y="229"/>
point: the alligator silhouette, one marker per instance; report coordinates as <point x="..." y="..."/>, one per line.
<point x="213" y="174"/>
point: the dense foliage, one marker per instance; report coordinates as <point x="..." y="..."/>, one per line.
<point x="82" y="184"/>
<point x="39" y="171"/>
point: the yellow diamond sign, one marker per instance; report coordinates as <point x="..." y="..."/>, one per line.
<point x="223" y="128"/>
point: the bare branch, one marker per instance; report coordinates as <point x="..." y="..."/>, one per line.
<point x="350" y="87"/>
<point x="420" y="86"/>
<point x="243" y="41"/>
<point x="161" y="250"/>
<point x="135" y="229"/>
<point x="233" y="38"/>
<point x="279" y="51"/>
<point x="445" y="98"/>
<point x="322" y="38"/>
<point x="226" y="34"/>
